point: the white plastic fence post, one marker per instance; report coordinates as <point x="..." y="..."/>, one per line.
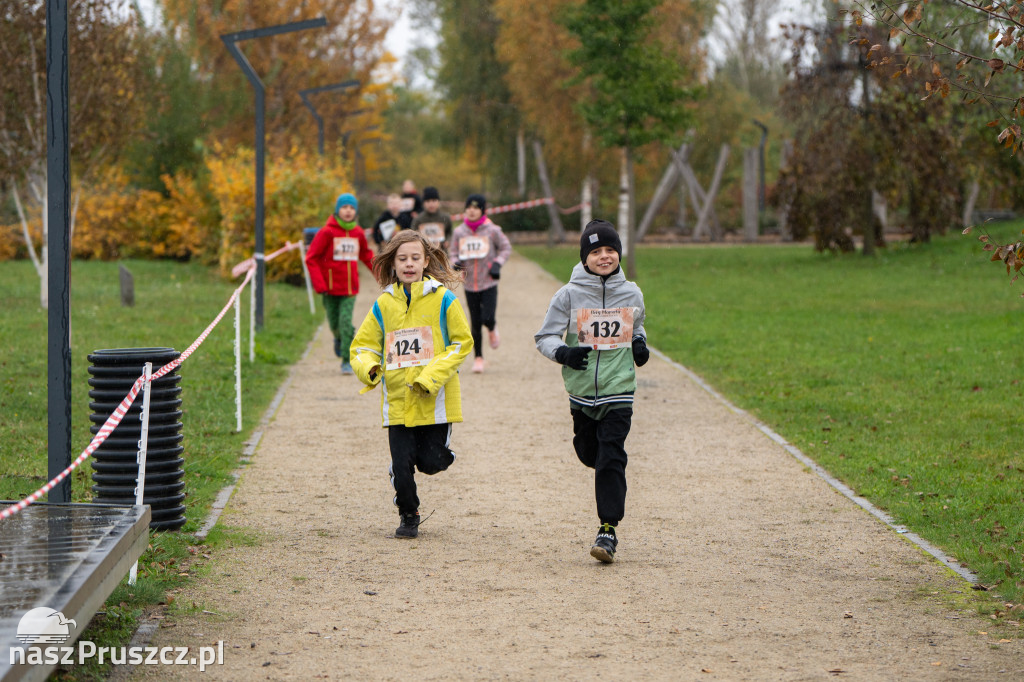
<point x="305" y="272"/>
<point x="238" y="365"/>
<point x="252" y="322"/>
<point x="140" y="480"/>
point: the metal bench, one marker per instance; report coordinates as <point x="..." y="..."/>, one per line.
<point x="64" y="557"/>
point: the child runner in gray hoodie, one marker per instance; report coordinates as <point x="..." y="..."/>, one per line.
<point x="600" y="314"/>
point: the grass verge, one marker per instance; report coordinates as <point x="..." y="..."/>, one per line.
<point x="900" y="374"/>
<point x="174" y="304"/>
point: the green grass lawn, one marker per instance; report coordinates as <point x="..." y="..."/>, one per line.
<point x="900" y="374"/>
<point x="174" y="304"/>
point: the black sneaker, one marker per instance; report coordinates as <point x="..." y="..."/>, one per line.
<point x="337" y="347"/>
<point x="604" y="545"/>
<point x="410" y="527"/>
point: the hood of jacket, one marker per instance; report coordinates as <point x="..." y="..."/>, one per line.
<point x="595" y="291"/>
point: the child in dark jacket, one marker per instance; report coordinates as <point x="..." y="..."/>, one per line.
<point x="387" y="223"/>
<point x="601" y="316"/>
<point x="433" y="223"/>
<point x="332" y="268"/>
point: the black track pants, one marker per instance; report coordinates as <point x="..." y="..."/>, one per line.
<point x="600" y="444"/>
<point x="417" y="447"/>
<point x="483" y="307"/>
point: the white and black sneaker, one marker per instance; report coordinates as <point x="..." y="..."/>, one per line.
<point x="410" y="527"/>
<point x="604" y="546"/>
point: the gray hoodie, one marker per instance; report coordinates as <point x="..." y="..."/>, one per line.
<point x="610" y="376"/>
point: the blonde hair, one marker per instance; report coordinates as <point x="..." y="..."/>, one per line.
<point x="438" y="265"/>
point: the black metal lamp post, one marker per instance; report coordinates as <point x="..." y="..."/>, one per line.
<point x="304" y="94"/>
<point x="230" y="42"/>
<point x="58" y="282"/>
<point x="760" y="162"/>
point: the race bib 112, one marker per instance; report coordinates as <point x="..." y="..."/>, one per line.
<point x="471" y="248"/>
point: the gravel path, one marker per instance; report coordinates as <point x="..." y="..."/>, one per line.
<point x="734" y="562"/>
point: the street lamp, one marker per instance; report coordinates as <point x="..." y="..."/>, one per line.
<point x="230" y="42"/>
<point x="309" y="105"/>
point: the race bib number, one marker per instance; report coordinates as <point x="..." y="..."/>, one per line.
<point x="346" y="248"/>
<point x="387" y="228"/>
<point x="409" y="347"/>
<point x="471" y="248"/>
<point x="605" y="328"/>
<point x="434" y="232"/>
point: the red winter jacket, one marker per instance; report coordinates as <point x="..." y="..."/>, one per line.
<point x="328" y="270"/>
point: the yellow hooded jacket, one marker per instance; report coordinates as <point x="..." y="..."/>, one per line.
<point x="431" y="305"/>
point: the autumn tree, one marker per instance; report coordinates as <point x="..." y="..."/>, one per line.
<point x="173" y="128"/>
<point x="105" y="92"/>
<point x="351" y="47"/>
<point x="751" y="58"/>
<point x="638" y="87"/>
<point x="956" y="46"/>
<point x="853" y="124"/>
<point x="472" y="83"/>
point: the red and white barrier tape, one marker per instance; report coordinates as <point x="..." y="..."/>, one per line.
<point x="250" y="263"/>
<point x="526" y="204"/>
<point x="122" y="409"/>
<point x="518" y="206"/>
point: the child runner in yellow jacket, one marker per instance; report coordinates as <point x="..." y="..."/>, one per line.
<point x="411" y="343"/>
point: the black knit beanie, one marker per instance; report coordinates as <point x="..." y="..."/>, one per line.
<point x="430" y="193"/>
<point x="596" y="234"/>
<point x="478" y="201"/>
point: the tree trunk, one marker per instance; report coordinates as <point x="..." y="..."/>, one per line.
<point x="589" y="194"/>
<point x="623" y="220"/>
<point x="868" y="248"/>
<point x="521" y="161"/>
<point x="556" y="233"/>
<point x="681" y="216"/>
<point x="39" y="261"/>
<point x="972" y="198"/>
<point x="750" y="212"/>
<point x="630" y="209"/>
<point x="920" y="232"/>
<point x="585" y="201"/>
<point x="784" y="205"/>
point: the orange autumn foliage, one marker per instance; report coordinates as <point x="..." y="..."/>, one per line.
<point x="209" y="219"/>
<point x="300" y="191"/>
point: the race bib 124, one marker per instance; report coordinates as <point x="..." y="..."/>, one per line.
<point x="410" y="347"/>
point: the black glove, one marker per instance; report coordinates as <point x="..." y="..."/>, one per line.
<point x="573" y="358"/>
<point x="640" y="353"/>
<point x="495" y="271"/>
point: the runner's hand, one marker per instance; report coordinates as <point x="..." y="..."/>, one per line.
<point x="573" y="358"/>
<point x="419" y="389"/>
<point x="640" y="353"/>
